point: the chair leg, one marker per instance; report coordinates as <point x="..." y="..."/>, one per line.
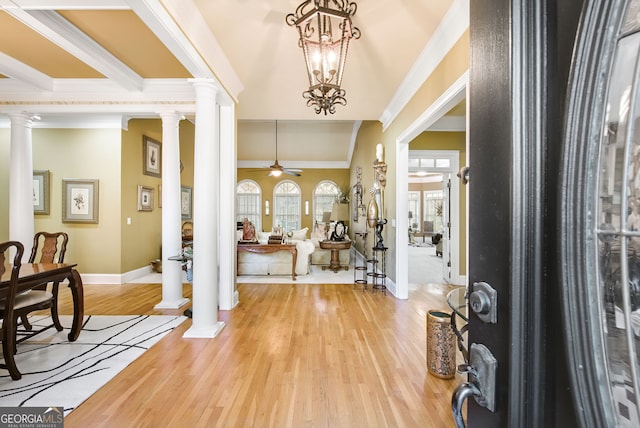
<point x="54" y="307"/>
<point x="25" y="323"/>
<point x="9" y="350"/>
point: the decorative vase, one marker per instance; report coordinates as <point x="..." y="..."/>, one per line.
<point x="372" y="213"/>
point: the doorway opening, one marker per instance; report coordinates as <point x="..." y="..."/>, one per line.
<point x="431" y="204"/>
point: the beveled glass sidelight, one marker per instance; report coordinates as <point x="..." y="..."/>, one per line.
<point x="618" y="226"/>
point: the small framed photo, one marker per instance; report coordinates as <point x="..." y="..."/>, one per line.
<point x="185" y="202"/>
<point x="145" y="198"/>
<point x="41" y="192"/>
<point x="151" y="157"/>
<point x="80" y="200"/>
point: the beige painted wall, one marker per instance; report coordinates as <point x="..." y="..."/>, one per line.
<point x="307" y="182"/>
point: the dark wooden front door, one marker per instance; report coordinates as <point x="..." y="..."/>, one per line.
<point x="520" y="65"/>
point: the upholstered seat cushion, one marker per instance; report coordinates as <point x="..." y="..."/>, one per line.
<point x="32" y="297"/>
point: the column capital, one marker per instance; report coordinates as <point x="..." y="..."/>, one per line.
<point x="23" y="118"/>
<point x="170" y="116"/>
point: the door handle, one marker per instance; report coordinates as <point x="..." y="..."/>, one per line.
<point x="481" y="385"/>
<point x="463" y="174"/>
<point x="461" y="393"/>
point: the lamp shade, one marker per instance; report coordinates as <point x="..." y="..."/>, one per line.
<point x="340" y="212"/>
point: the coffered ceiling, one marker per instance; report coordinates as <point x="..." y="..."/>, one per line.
<point x="102" y="58"/>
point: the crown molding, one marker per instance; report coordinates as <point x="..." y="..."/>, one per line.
<point x="451" y="28"/>
<point x="264" y="164"/>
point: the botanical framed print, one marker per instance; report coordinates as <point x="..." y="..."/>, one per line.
<point x="145" y="198"/>
<point x="41" y="192"/>
<point x="151" y="157"/>
<point x="185" y="202"/>
<point x="80" y="200"/>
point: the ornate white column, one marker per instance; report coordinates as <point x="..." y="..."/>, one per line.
<point x="171" y="214"/>
<point x="205" y="213"/>
<point x="21" y="226"/>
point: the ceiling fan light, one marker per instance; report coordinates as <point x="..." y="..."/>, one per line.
<point x="324" y="50"/>
<point x="276" y="173"/>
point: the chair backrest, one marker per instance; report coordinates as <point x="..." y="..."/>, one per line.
<point x="428" y="226"/>
<point x="49" y="247"/>
<point x="8" y="294"/>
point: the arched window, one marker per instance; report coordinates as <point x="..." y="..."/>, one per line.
<point x="324" y="195"/>
<point x="248" y="202"/>
<point x="286" y="205"/>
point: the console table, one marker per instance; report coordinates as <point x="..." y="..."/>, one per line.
<point x="271" y="248"/>
<point x="335" y="247"/>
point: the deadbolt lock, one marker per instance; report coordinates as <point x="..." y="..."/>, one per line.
<point x="484" y="302"/>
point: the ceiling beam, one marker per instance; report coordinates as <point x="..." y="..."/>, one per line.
<point x="15" y="69"/>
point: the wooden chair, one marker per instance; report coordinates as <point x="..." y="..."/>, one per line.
<point x="7" y="299"/>
<point x="46" y="244"/>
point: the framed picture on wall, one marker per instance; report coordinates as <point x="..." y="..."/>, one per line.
<point x="159" y="195"/>
<point x="185" y="202"/>
<point x="80" y="200"/>
<point x="145" y="198"/>
<point x="41" y="192"/>
<point x="151" y="157"/>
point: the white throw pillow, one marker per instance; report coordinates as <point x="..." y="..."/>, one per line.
<point x="301" y="234"/>
<point x="319" y="231"/>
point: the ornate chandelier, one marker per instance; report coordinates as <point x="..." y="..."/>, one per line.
<point x="325" y="29"/>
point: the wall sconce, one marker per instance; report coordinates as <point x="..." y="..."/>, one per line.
<point x="266" y="207"/>
<point x="306" y="207"/>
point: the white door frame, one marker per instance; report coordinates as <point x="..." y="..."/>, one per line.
<point x="450" y="98"/>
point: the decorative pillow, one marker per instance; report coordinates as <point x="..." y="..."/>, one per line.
<point x="263" y="236"/>
<point x="332" y="228"/>
<point x="301" y="234"/>
<point x="319" y="231"/>
<point x="238" y="235"/>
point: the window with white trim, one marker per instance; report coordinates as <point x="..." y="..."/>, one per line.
<point x="248" y="202"/>
<point x="286" y="205"/>
<point x="324" y="195"/>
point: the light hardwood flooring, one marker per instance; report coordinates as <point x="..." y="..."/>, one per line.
<point x="304" y="355"/>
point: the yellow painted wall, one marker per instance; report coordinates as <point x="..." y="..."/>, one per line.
<point x="83" y="154"/>
<point x="142" y="239"/>
<point x="452" y="66"/>
<point x="364" y="154"/>
<point x="307" y="182"/>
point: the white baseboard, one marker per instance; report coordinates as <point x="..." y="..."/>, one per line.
<point x="111" y="279"/>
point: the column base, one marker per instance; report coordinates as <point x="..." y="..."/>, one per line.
<point x="175" y="304"/>
<point x="204" y="332"/>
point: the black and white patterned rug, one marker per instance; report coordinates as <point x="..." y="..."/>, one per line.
<point x="56" y="372"/>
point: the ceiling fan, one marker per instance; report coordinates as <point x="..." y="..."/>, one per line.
<point x="276" y="169"/>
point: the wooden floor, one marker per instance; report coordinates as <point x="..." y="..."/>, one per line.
<point x="304" y="355"/>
